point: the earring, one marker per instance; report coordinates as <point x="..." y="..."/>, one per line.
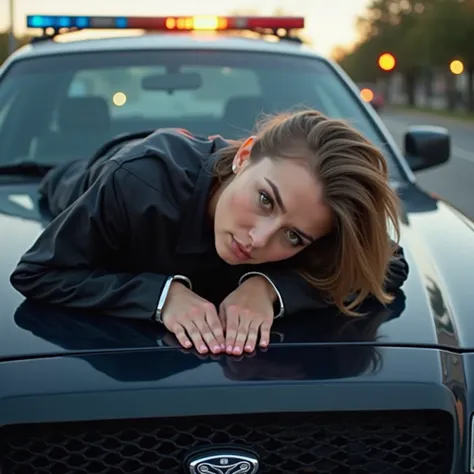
<point x="234" y="168"/>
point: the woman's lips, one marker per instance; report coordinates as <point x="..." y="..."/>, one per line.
<point x="239" y="251"/>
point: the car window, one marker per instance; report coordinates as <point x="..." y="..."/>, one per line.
<point x="7" y="98"/>
<point x="218" y="85"/>
<point x="69" y="105"/>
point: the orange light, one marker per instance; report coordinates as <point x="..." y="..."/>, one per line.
<point x="170" y="23"/>
<point x="215" y="23"/>
<point x="198" y="23"/>
<point x="456" y="67"/>
<point x="181" y="23"/>
<point x="208" y="23"/>
<point x="387" y="62"/>
<point x="367" y="95"/>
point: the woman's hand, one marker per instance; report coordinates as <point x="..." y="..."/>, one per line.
<point x="192" y="318"/>
<point x="245" y="313"/>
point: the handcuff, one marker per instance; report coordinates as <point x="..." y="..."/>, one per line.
<point x="158" y="316"/>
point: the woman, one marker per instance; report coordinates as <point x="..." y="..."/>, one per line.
<point x="294" y="218"/>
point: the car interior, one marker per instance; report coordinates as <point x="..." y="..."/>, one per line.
<point x="90" y="117"/>
<point x="66" y="115"/>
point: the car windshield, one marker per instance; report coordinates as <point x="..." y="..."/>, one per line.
<point x="63" y="107"/>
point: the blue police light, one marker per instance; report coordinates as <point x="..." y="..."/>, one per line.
<point x="37" y="21"/>
<point x="121" y="22"/>
<point x="82" y="22"/>
<point x="56" y="21"/>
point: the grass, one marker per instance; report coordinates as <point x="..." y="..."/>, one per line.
<point x="457" y="114"/>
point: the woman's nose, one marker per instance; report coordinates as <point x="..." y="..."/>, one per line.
<point x="260" y="236"/>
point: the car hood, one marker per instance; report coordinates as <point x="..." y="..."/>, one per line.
<point x="433" y="309"/>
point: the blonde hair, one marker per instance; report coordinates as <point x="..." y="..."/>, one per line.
<point x="350" y="263"/>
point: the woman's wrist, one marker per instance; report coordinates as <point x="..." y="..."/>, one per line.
<point x="267" y="285"/>
<point x="170" y="285"/>
<point x="269" y="288"/>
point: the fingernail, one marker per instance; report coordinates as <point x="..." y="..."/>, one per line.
<point x="203" y="348"/>
<point x="263" y="343"/>
<point x="248" y="347"/>
<point x="223" y="347"/>
<point x="229" y="348"/>
<point x="216" y="349"/>
<point x="237" y="350"/>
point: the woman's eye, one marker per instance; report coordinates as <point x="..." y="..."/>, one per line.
<point x="294" y="238"/>
<point x="265" y="200"/>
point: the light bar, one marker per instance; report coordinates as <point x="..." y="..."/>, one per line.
<point x="166" y="23"/>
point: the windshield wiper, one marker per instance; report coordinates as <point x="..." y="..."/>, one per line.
<point x="25" y="168"/>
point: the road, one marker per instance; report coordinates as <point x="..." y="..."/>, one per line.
<point x="453" y="181"/>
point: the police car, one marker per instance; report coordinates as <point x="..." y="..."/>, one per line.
<point x="83" y="394"/>
<point x="62" y="98"/>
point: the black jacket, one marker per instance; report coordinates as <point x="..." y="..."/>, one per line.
<point x="131" y="219"/>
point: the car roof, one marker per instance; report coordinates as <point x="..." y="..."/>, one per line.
<point x="185" y="41"/>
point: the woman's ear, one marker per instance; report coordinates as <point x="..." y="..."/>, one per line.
<point x="242" y="156"/>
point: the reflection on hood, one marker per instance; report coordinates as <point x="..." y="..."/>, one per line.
<point x="319" y="345"/>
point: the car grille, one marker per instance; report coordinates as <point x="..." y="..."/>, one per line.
<point x="329" y="443"/>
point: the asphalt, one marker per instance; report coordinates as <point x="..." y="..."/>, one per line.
<point x="453" y="181"/>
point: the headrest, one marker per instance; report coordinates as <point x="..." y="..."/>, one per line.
<point x="244" y="110"/>
<point x="84" y="114"/>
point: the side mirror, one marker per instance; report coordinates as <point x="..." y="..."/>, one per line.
<point x="427" y="146"/>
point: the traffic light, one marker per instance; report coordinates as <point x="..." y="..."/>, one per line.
<point x="387" y="62"/>
<point x="456" y="67"/>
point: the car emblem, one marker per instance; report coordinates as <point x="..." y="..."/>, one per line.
<point x="224" y="462"/>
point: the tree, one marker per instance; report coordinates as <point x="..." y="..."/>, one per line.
<point x="21" y="41"/>
<point x="465" y="46"/>
<point x="421" y="34"/>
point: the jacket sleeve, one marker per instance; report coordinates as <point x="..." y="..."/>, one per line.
<point x="66" y="265"/>
<point x="295" y="294"/>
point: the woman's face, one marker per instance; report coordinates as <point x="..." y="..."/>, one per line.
<point x="270" y="211"/>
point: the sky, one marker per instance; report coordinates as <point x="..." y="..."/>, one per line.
<point x="328" y="22"/>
